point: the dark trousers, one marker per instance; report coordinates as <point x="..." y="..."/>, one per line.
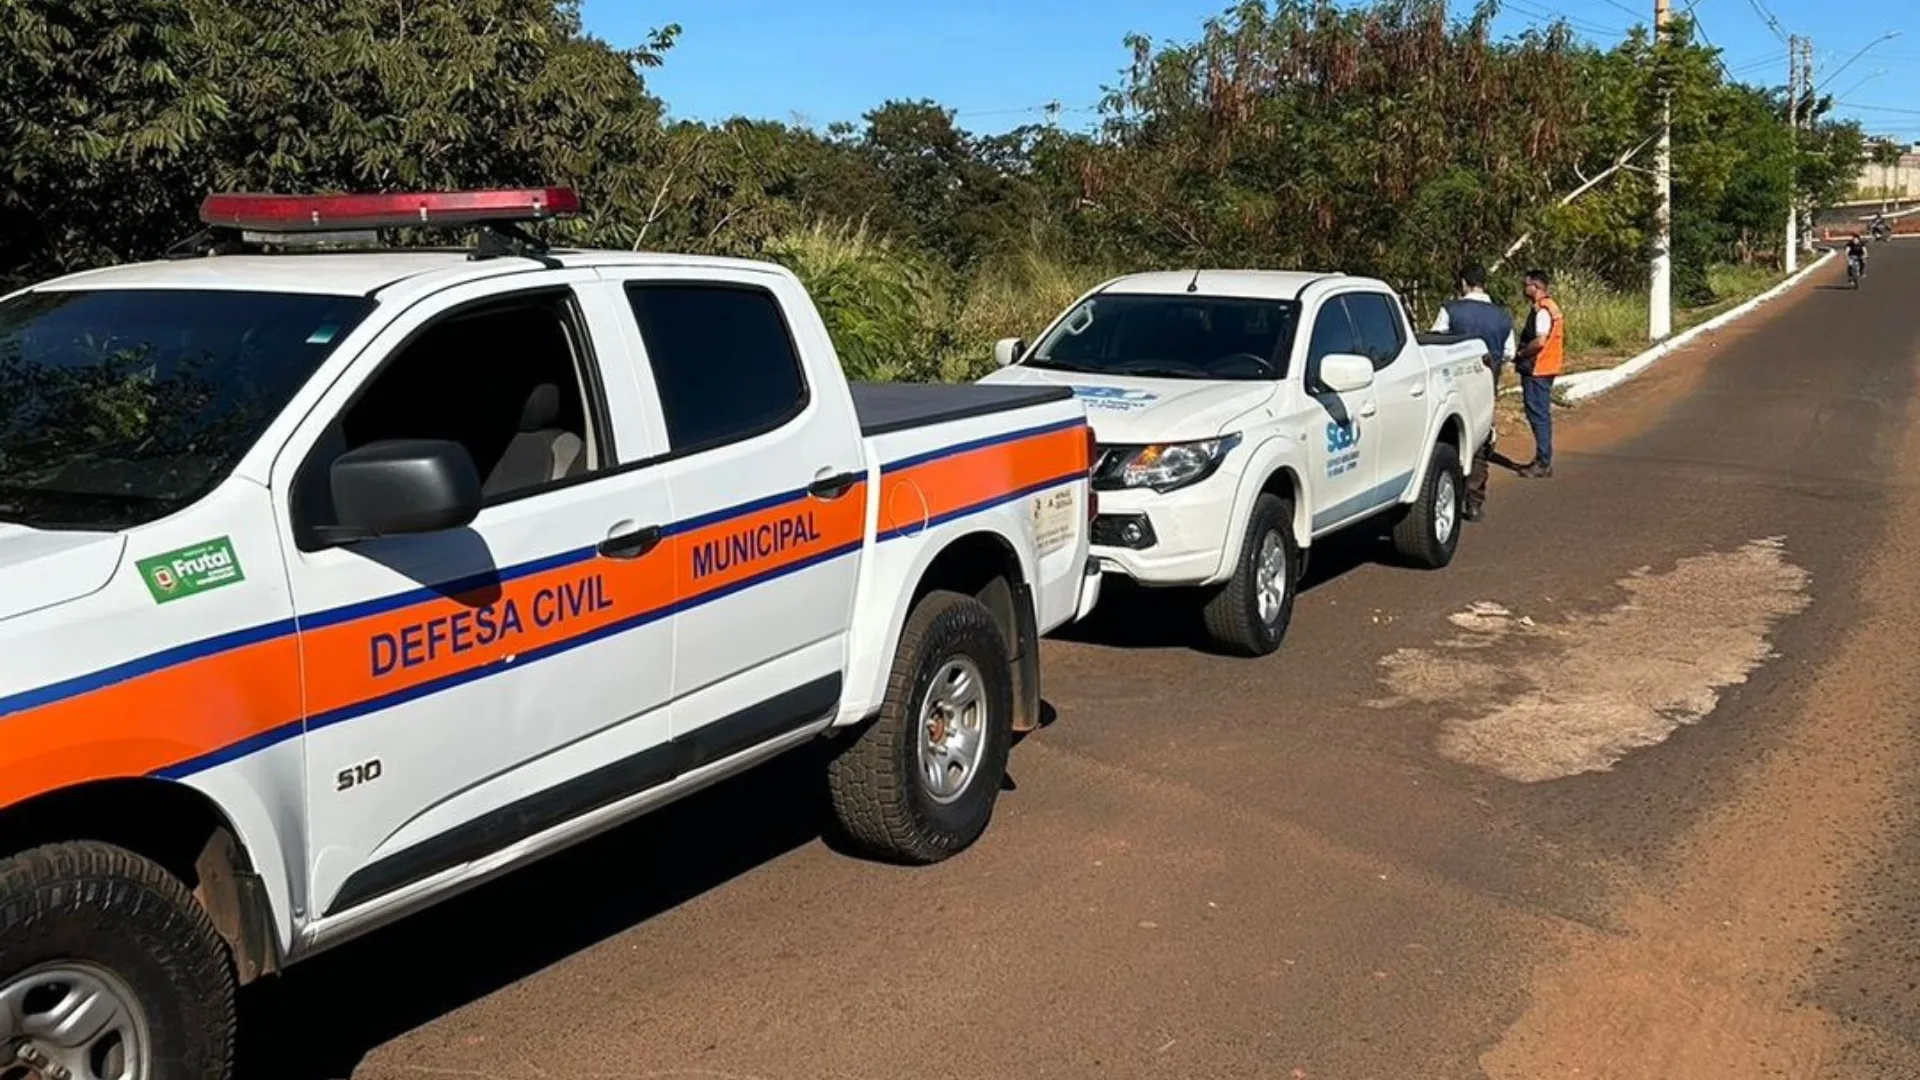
<point x="1537" y="392"/>
<point x="1477" y="474"/>
<point x="1477" y="477"/>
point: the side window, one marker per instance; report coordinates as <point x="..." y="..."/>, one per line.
<point x="1332" y="333"/>
<point x="505" y="380"/>
<point x="1376" y="319"/>
<point x="723" y="361"/>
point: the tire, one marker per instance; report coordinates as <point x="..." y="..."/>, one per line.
<point x="1428" y="532"/>
<point x="1234" y="619"/>
<point x="881" y="788"/>
<point x="89" y="917"/>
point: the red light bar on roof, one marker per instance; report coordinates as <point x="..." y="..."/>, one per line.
<point x="331" y="213"/>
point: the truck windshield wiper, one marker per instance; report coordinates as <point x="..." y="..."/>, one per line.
<point x="1061" y="365"/>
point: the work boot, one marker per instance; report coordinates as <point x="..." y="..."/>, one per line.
<point x="1472" y="511"/>
<point x="1538" y="470"/>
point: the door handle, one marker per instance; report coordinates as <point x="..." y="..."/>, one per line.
<point x="832" y="487"/>
<point x="1419" y="390"/>
<point x="1371" y="408"/>
<point x="631" y="545"/>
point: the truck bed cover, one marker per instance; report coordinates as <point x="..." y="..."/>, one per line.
<point x="888" y="407"/>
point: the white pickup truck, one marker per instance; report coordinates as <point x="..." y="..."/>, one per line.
<point x="1243" y="415"/>
<point x="332" y="584"/>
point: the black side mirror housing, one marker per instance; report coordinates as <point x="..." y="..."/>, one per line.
<point x="399" y="486"/>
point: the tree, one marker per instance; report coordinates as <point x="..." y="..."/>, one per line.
<point x="120" y="115"/>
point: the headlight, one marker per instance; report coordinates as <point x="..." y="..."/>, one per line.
<point x="1162" y="467"/>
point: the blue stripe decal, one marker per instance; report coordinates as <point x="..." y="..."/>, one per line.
<point x="458" y="586"/>
<point x="145" y="665"/>
<point x="998" y="500"/>
<point x="250" y="745"/>
<point x="717" y="516"/>
<point x="980" y="444"/>
<point x="1371" y="499"/>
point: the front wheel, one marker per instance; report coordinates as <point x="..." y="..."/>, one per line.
<point x="109" y="970"/>
<point x="919" y="783"/>
<point x="1249" y="615"/>
<point x="1428" y="532"/>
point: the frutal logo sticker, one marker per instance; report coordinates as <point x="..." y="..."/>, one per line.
<point x="189" y="571"/>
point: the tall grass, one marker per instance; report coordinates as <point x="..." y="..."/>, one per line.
<point x="896" y="316"/>
<point x="1604" y="324"/>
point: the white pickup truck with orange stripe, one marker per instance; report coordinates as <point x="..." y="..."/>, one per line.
<point x="334" y="583"/>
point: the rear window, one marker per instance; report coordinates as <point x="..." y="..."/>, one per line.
<point x="121" y="406"/>
<point x="723" y="361"/>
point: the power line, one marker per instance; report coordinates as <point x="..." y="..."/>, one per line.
<point x="1554" y="15"/>
<point x="1773" y="24"/>
<point x="1876" y="108"/>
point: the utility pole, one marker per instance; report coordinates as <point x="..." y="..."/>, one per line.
<point x="1660" y="306"/>
<point x="1806" y="123"/>
<point x="1793" y="161"/>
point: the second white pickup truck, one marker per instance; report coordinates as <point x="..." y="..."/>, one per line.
<point x="1242" y="415"/>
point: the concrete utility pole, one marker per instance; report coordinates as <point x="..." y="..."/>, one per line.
<point x="1660" y="307"/>
<point x="1793" y="162"/>
<point x="1806" y="122"/>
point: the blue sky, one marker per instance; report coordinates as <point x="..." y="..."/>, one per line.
<point x="999" y="61"/>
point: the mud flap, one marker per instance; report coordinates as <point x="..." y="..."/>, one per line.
<point x="1026" y="661"/>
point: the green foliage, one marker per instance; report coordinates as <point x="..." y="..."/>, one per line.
<point x="885" y="308"/>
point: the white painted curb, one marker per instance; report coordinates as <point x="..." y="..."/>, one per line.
<point x="1585" y="385"/>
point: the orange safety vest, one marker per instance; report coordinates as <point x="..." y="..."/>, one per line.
<point x="1553" y="352"/>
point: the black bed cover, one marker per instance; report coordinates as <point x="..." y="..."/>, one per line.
<point x="887" y="407"/>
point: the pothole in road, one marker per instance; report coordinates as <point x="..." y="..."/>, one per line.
<point x="1537" y="702"/>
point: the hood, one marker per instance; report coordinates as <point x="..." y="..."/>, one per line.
<point x="40" y="569"/>
<point x="1132" y="410"/>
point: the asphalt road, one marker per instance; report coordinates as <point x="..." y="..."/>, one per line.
<point x="1647" y="810"/>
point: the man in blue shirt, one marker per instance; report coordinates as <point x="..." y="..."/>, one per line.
<point x="1475" y="314"/>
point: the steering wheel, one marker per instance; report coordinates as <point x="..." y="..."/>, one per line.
<point x="1265" y="365"/>
<point x="1195" y="370"/>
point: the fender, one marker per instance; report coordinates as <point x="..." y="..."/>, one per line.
<point x="1276" y="452"/>
<point x="894" y="569"/>
<point x="1439" y="424"/>
<point x="272" y="836"/>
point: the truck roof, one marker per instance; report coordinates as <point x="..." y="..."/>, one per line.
<point x="362" y="273"/>
<point x="1255" y="284"/>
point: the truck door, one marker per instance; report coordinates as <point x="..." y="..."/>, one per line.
<point x="1401" y="385"/>
<point x="766" y="470"/>
<point x="470" y="688"/>
<point x="1344" y="460"/>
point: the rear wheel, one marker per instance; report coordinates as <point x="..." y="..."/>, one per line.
<point x="1428" y="532"/>
<point x="1249" y="615"/>
<point x="920" y="782"/>
<point x="111" y="971"/>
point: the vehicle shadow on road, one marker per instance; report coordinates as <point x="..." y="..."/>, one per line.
<point x="1131" y="617"/>
<point x="322" y="1017"/>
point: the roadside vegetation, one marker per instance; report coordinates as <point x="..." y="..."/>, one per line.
<point x="1383" y="138"/>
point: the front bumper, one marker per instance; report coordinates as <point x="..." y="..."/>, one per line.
<point x="1090" y="580"/>
<point x="1179" y="538"/>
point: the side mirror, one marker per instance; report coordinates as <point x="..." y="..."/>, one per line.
<point x="1007" y="350"/>
<point x="1344" y="373"/>
<point x="402" y="486"/>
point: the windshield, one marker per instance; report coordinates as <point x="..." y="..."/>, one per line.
<point x="121" y="406"/>
<point x="1173" y="337"/>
